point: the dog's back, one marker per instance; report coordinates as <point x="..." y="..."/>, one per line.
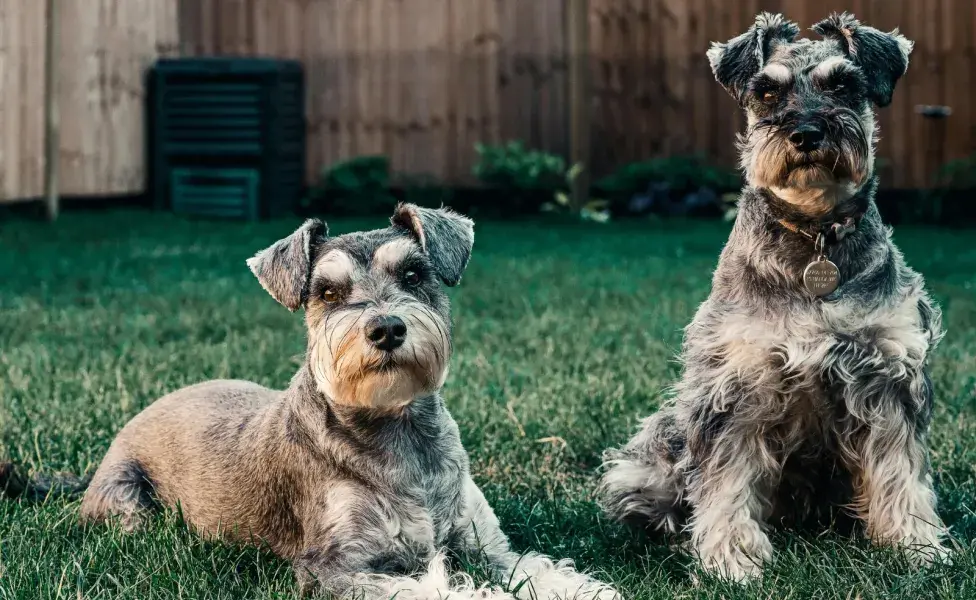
<point x="197" y="446"/>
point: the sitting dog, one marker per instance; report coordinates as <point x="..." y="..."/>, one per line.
<point x="804" y="372"/>
<point x="356" y="472"/>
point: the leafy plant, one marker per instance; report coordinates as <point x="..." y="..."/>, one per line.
<point x="513" y="166"/>
<point x="526" y="177"/>
<point x="674" y="185"/>
<point x="959" y="173"/>
<point x="596" y="210"/>
<point x="356" y="186"/>
<point x="678" y="172"/>
<point x="730" y="202"/>
<point x="929" y="204"/>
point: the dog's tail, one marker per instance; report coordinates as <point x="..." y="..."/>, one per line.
<point x="16" y="483"/>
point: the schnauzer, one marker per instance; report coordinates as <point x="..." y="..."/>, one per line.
<point x="805" y="371"/>
<point x="355" y="472"/>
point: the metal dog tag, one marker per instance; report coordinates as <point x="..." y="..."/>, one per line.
<point x="821" y="277"/>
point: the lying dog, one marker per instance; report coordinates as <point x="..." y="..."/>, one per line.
<point x="805" y="370"/>
<point x="356" y="472"/>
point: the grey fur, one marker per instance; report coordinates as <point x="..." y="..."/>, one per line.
<point x="444" y="235"/>
<point x="735" y="62"/>
<point x="284" y="268"/>
<point x="882" y="57"/>
<point x="355" y="473"/>
<point x="785" y="399"/>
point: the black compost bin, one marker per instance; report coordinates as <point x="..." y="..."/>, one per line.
<point x="226" y="136"/>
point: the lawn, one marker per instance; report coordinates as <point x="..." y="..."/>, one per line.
<point x="565" y="336"/>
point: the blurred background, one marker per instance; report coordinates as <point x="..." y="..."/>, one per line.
<point x="425" y="97"/>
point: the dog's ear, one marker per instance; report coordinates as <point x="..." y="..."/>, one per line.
<point x="285" y="267"/>
<point x="882" y="57"/>
<point x="444" y="235"/>
<point x="735" y="62"/>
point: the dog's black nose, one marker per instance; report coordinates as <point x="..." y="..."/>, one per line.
<point x="807" y="138"/>
<point x="386" y="333"/>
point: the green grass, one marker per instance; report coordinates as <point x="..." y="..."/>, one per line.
<point x="565" y="337"/>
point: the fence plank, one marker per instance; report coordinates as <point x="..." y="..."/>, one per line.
<point x="958" y="76"/>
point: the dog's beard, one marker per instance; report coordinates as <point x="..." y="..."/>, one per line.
<point x="816" y="182"/>
<point x="353" y="372"/>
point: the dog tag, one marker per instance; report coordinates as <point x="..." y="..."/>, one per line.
<point x="821" y="277"/>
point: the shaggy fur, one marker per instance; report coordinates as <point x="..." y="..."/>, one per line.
<point x="356" y="472"/>
<point x="789" y="404"/>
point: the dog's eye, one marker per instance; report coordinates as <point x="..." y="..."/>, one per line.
<point x="411" y="278"/>
<point x="770" y="97"/>
<point x="330" y="295"/>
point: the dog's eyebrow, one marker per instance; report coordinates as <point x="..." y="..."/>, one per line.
<point x="393" y="253"/>
<point x="828" y="67"/>
<point x="336" y="266"/>
<point x="777" y="72"/>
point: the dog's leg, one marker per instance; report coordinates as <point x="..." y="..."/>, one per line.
<point x="530" y="576"/>
<point x="354" y="550"/>
<point x="640" y="484"/>
<point x="730" y="497"/>
<point x="889" y="459"/>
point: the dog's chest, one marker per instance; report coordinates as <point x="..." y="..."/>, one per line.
<point x="799" y="355"/>
<point x="414" y="518"/>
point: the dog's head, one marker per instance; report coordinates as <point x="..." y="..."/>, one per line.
<point x="810" y="104"/>
<point x="378" y="319"/>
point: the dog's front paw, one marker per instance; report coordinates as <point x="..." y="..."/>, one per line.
<point x="922" y="542"/>
<point x="925" y="553"/>
<point x="740" y="561"/>
<point x="734" y="565"/>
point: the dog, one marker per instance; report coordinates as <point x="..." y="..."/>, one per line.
<point x="805" y="372"/>
<point x="355" y="473"/>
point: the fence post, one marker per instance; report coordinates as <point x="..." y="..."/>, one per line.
<point x="52" y="120"/>
<point x="578" y="48"/>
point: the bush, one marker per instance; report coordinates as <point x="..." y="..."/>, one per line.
<point x="528" y="178"/>
<point x="959" y="173"/>
<point x="675" y="185"/>
<point x="521" y="181"/>
<point x="357" y="186"/>
<point x="534" y="181"/>
<point x="679" y="172"/>
<point x="513" y="166"/>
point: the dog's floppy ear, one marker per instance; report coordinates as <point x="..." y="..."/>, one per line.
<point x="444" y="235"/>
<point x="735" y="62"/>
<point x="883" y="57"/>
<point x="285" y="267"/>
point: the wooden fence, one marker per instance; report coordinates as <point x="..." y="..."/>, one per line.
<point x="418" y="80"/>
<point x="423" y="80"/>
<point x="105" y="48"/>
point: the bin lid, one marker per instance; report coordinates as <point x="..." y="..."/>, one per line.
<point x="205" y="65"/>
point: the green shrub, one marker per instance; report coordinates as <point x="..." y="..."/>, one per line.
<point x="526" y="178"/>
<point x="359" y="185"/>
<point x="534" y="181"/>
<point x="512" y="166"/>
<point x="959" y="173"/>
<point x="678" y="172"/>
